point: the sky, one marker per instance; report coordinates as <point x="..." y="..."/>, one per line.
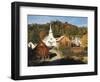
<point x="40" y="19"/>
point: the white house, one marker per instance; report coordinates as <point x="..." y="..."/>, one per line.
<point x="76" y="41"/>
<point x="30" y="44"/>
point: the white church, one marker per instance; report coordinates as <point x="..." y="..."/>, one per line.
<point x="49" y="40"/>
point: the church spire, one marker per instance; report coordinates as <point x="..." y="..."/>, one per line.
<point x="50" y="31"/>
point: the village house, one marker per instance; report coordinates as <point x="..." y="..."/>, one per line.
<point x="63" y="41"/>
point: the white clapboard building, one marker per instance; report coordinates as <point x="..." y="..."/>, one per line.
<point x="76" y="42"/>
<point x="49" y="40"/>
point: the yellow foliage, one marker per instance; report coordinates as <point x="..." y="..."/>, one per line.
<point x="84" y="41"/>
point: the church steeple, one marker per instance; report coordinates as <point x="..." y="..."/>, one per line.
<point x="50" y="31"/>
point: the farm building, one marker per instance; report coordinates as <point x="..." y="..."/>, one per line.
<point x="63" y="41"/>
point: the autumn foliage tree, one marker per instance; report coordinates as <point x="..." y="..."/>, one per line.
<point x="84" y="41"/>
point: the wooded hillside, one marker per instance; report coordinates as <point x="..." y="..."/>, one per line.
<point x="37" y="32"/>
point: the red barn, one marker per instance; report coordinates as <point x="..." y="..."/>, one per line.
<point x="41" y="51"/>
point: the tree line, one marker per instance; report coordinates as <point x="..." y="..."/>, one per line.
<point x="36" y="32"/>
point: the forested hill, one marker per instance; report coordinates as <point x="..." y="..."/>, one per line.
<point x="39" y="31"/>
